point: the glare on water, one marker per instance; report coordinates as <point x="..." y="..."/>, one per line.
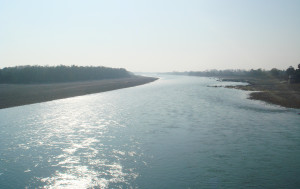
<point x="173" y="133"/>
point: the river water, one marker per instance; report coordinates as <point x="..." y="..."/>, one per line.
<point x="173" y="133"/>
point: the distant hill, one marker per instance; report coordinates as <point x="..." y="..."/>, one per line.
<point x="56" y="74"/>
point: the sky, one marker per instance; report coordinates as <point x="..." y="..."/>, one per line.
<point x="151" y="35"/>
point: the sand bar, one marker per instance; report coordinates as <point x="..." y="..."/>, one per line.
<point x="22" y="94"/>
<point x="271" y="90"/>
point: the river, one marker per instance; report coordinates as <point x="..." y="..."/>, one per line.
<point x="172" y="133"/>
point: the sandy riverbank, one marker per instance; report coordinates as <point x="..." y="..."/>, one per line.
<point x="21" y="94"/>
<point x="270" y="90"/>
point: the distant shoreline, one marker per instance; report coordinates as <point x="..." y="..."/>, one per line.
<point x="270" y="90"/>
<point x="12" y="95"/>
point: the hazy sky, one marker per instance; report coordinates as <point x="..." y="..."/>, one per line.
<point x="152" y="35"/>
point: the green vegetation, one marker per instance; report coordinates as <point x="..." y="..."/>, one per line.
<point x="259" y="73"/>
<point x="57" y="74"/>
<point x="288" y="74"/>
<point x="294" y="74"/>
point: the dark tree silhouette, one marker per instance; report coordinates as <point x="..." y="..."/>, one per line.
<point x="54" y="74"/>
<point x="220" y="73"/>
<point x="275" y="72"/>
<point x="297" y="74"/>
<point x="259" y="73"/>
<point x="290" y="71"/>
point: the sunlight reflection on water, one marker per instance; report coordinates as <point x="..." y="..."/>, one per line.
<point x="86" y="156"/>
<point x="173" y="133"/>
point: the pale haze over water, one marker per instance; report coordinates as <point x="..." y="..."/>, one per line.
<point x="172" y="133"/>
<point x="176" y="132"/>
<point x="151" y="35"/>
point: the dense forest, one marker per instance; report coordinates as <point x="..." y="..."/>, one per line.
<point x="54" y="74"/>
<point x="290" y="73"/>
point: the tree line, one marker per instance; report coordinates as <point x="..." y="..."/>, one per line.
<point x="294" y="74"/>
<point x="290" y="73"/>
<point x="55" y="74"/>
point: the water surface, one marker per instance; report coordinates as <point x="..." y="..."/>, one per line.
<point x="172" y="133"/>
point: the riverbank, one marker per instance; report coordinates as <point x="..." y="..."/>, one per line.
<point x="270" y="90"/>
<point x="22" y="94"/>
